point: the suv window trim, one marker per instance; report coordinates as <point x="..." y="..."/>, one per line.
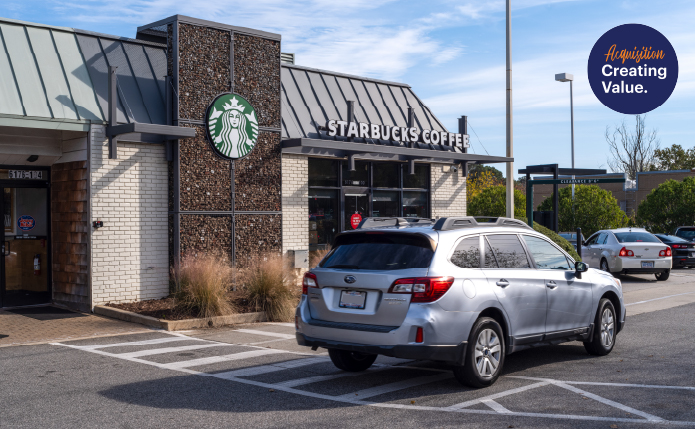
<point x="570" y="260"/>
<point x="531" y="262"/>
<point x="480" y="251"/>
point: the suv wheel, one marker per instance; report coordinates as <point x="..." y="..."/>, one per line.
<point x="351" y="361"/>
<point x="663" y="276"/>
<point x="605" y="330"/>
<point x="484" y="355"/>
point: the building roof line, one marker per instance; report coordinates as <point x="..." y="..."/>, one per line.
<point x="345" y="75"/>
<point x="197" y="21"/>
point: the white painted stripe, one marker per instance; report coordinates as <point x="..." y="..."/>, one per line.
<point x="289" y="324"/>
<point x="392" y="387"/>
<point x="266" y="333"/>
<point x="498" y="395"/>
<point x="318" y="378"/>
<point x="657" y="299"/>
<point x="139" y="343"/>
<point x="166" y="350"/>
<point x="603" y="400"/>
<point x="495" y="406"/>
<point x="647" y="386"/>
<point x="265" y="369"/>
<point x="217" y="359"/>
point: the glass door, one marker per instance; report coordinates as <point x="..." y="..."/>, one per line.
<point x="356" y="203"/>
<point x="25" y="264"/>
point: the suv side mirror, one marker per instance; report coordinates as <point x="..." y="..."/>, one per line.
<point x="579" y="268"/>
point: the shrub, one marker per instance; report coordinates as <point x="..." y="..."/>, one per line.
<point x="594" y="209"/>
<point x="269" y="285"/>
<point x="317" y="256"/>
<point x="563" y="243"/>
<point x="670" y="205"/>
<point x="492" y="201"/>
<point x="203" y="285"/>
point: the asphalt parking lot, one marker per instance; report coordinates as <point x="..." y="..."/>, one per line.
<point x="256" y="375"/>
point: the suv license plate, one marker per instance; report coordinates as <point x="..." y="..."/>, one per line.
<point x="647" y="264"/>
<point x="353" y="299"/>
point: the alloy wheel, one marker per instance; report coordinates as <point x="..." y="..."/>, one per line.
<point x="607" y="328"/>
<point x="487" y="353"/>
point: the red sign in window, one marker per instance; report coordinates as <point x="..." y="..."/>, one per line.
<point x="355" y="220"/>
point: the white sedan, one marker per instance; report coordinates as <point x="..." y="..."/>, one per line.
<point x="628" y="251"/>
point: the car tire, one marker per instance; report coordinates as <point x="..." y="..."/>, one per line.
<point x="351" y="361"/>
<point x="486" y="340"/>
<point x="663" y="276"/>
<point x="605" y="330"/>
<point x="604" y="266"/>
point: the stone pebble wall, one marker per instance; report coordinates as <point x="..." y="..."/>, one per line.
<point x="448" y="192"/>
<point x="206" y="181"/>
<point x="257" y="176"/>
<point x="130" y="254"/>
<point x="204" y="68"/>
<point x="206" y="234"/>
<point x="257" y="234"/>
<point x="257" y="76"/>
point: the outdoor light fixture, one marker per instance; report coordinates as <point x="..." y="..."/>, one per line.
<point x="32" y="158"/>
<point x="566" y="77"/>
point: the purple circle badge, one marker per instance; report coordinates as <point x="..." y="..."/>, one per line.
<point x="632" y="69"/>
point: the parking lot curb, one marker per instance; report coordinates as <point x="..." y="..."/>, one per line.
<point x="179" y="325"/>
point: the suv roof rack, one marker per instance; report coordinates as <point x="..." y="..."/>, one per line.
<point x="451" y="223"/>
<point x="377" y="222"/>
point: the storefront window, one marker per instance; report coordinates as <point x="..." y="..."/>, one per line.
<point x="324" y="172"/>
<point x="359" y="177"/>
<point x="415" y="204"/>
<point x="385" y="204"/>
<point x="386" y="175"/>
<point x="420" y="179"/>
<point x="324" y="217"/>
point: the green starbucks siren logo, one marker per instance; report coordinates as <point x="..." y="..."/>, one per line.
<point x="232" y="126"/>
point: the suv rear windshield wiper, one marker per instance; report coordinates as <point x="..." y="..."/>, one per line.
<point x="344" y="266"/>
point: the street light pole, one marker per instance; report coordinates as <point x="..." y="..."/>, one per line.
<point x="510" y="140"/>
<point x="566" y="77"/>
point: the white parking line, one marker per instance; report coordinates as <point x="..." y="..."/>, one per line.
<point x="217" y="359"/>
<point x="139" y="343"/>
<point x="150" y="352"/>
<point x="266" y="333"/>
<point x="265" y="369"/>
<point x="495" y="406"/>
<point x="657" y="299"/>
<point x="498" y="395"/>
<point x="392" y="387"/>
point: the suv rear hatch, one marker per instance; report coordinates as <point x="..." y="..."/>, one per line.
<point x="355" y="277"/>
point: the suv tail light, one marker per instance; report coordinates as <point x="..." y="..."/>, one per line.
<point x="665" y="252"/>
<point x="309" y="281"/>
<point x="423" y="289"/>
<point x="626" y="252"/>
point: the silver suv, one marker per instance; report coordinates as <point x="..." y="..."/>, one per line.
<point x="460" y="291"/>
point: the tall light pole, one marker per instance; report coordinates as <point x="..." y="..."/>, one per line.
<point x="510" y="140"/>
<point x="566" y="77"/>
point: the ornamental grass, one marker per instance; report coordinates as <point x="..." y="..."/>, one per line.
<point x="270" y="285"/>
<point x="317" y="256"/>
<point x="204" y="283"/>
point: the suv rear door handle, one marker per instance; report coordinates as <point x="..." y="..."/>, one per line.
<point x="551" y="284"/>
<point x="502" y="283"/>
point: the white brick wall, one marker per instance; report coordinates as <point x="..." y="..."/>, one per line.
<point x="295" y="202"/>
<point x="448" y="195"/>
<point x="130" y="254"/>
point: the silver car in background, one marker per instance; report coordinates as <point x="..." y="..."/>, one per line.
<point x="459" y="291"/>
<point x="628" y="251"/>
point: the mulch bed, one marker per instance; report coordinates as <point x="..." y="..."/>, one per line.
<point x="165" y="308"/>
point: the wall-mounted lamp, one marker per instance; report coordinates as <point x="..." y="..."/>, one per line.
<point x="32" y="158"/>
<point x="97" y="224"/>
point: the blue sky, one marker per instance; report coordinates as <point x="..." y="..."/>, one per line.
<point x="451" y="52"/>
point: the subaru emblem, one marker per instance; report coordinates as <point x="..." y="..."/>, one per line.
<point x="350" y="279"/>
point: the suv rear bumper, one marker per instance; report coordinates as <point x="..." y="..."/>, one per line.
<point x="454" y="355"/>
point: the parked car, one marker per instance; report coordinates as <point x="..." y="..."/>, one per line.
<point x="685" y="232"/>
<point x="628" y="251"/>
<point x="460" y="291"/>
<point x="682" y="251"/>
<point x="571" y="237"/>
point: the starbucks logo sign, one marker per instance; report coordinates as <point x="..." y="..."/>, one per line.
<point x="232" y="126"/>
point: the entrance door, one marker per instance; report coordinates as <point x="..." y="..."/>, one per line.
<point x="24" y="267"/>
<point x="356" y="203"/>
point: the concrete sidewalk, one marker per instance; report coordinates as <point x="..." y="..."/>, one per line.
<point x="48" y="324"/>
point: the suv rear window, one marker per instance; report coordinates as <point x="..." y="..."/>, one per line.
<point x="636" y="237"/>
<point x="376" y="250"/>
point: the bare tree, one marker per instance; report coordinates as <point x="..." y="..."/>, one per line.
<point x="631" y="151"/>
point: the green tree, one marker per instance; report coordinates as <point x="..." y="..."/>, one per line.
<point x="670" y="205"/>
<point x="492" y="201"/>
<point x="594" y="209"/>
<point x="673" y="158"/>
<point x="476" y="169"/>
